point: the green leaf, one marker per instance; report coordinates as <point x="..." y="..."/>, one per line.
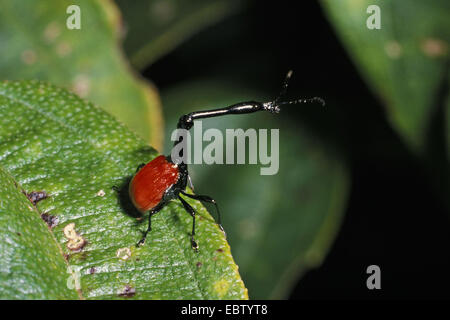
<point x="404" y="62"/>
<point x="24" y="241"/>
<point x="279" y="226"/>
<point x="155" y="27"/>
<point x="87" y="61"/>
<point x="52" y="141"/>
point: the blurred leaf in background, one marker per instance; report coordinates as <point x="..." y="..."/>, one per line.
<point x="52" y="141"/>
<point x="405" y="61"/>
<point x="38" y="45"/>
<point x="278" y="226"/>
<point x="154" y="27"/>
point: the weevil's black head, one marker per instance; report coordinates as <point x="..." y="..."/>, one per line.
<point x="185" y="122"/>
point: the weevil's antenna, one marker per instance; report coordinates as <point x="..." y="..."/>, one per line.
<point x="309" y="100"/>
<point x="284" y="87"/>
<point x="274" y="106"/>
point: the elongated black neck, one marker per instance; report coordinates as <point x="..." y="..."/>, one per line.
<point x="187" y="121"/>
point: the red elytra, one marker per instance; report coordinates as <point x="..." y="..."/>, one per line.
<point x="149" y="184"/>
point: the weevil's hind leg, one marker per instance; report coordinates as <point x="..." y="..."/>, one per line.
<point x="207" y="199"/>
<point x="155" y="210"/>
<point x="191" y="211"/>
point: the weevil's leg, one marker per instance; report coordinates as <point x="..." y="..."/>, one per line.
<point x="207" y="199"/>
<point x="191" y="211"/>
<point x="155" y="210"/>
<point x="139" y="167"/>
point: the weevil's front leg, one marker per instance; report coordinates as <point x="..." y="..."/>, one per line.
<point x="191" y="211"/>
<point x="207" y="199"/>
<point x="152" y="212"/>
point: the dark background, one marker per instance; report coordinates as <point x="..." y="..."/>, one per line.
<point x="394" y="218"/>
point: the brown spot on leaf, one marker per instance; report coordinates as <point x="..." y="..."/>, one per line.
<point x="219" y="250"/>
<point x="123" y="253"/>
<point x="128" y="292"/>
<point x="199" y="264"/>
<point x="36" y="196"/>
<point x="76" y="241"/>
<point x="51" y="221"/>
<point x="92" y="270"/>
<point x="69" y="231"/>
<point x="76" y="244"/>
